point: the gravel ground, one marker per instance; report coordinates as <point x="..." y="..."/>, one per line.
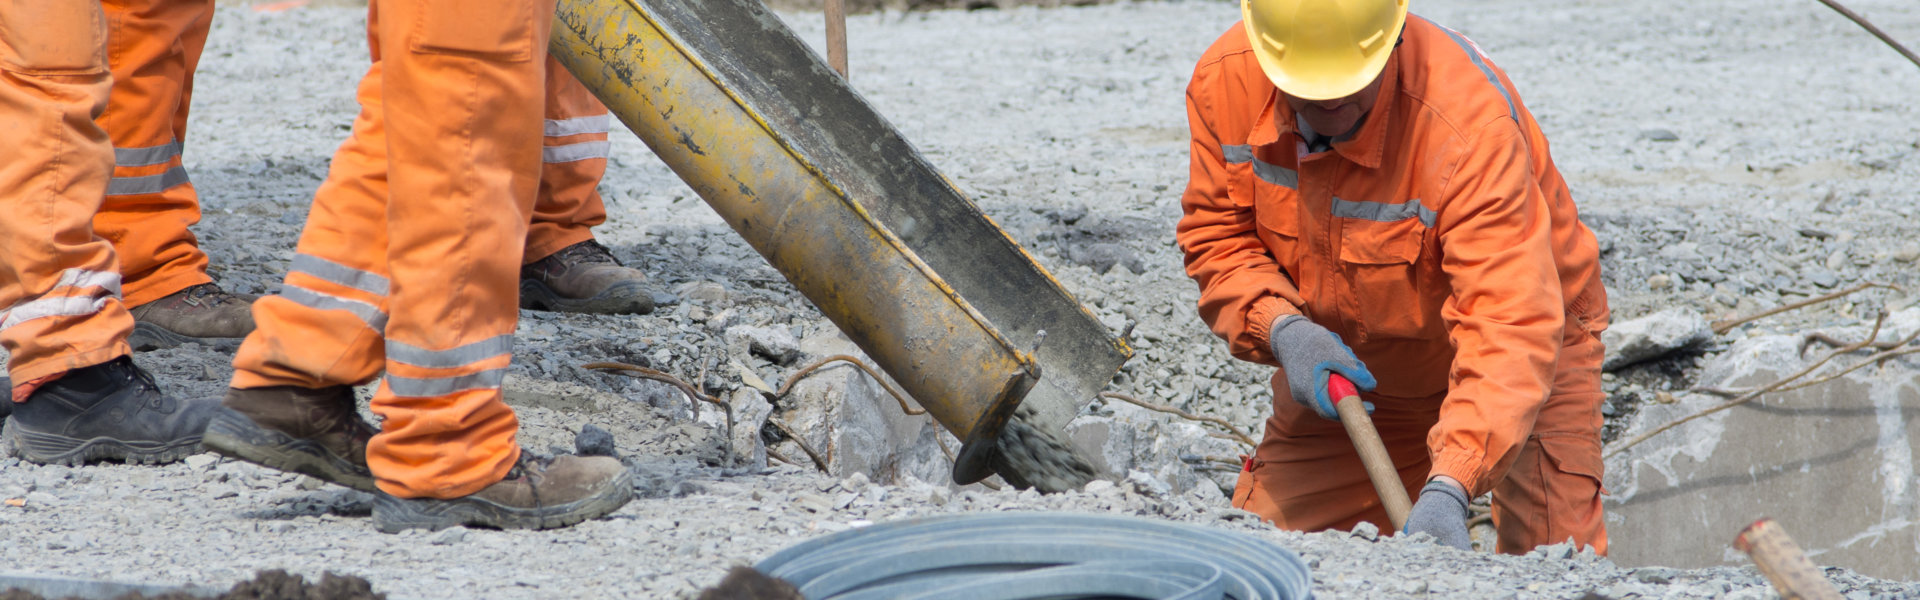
<point x="1731" y="155"/>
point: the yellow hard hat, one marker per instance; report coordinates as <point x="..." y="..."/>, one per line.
<point x="1323" y="49"/>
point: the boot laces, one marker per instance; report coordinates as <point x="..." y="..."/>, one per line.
<point x="587" y="252"/>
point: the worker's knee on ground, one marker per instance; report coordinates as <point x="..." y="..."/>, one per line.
<point x="52" y="38"/>
<point x="447" y="27"/>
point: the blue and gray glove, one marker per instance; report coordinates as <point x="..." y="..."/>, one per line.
<point x="1442" y="513"/>
<point x="1308" y="352"/>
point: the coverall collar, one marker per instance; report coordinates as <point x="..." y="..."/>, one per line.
<point x="1364" y="148"/>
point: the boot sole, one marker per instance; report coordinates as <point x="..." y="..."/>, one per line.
<point x="394" y="515"/>
<point x="55" y="449"/>
<point x="629" y="297"/>
<point x="234" y="435"/>
<point x="147" y="336"/>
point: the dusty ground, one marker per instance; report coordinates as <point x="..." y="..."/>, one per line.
<point x="1731" y="156"/>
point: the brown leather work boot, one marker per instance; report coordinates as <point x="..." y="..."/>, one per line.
<point x="584" y="278"/>
<point x="539" y="493"/>
<point x="203" y="314"/>
<point x="311" y="432"/>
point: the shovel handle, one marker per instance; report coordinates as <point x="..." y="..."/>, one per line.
<point x="1373" y="452"/>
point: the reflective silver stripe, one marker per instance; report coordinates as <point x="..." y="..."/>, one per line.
<point x="1266" y="171"/>
<point x="82" y="278"/>
<point x="147" y="184"/>
<point x="1480" y="61"/>
<point x="1276" y="174"/>
<point x="578" y="125"/>
<point x="63" y="306"/>
<point x="573" y="152"/>
<point x="1383" y="212"/>
<point x="1236" y="153"/>
<point x="365" y="281"/>
<point x="148" y="156"/>
<point x="424" y="387"/>
<point x="368" y="313"/>
<point x="452" y="357"/>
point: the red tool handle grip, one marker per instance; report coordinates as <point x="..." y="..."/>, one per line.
<point x="1339" y="387"/>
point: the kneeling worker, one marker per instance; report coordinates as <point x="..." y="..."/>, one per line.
<point x="1367" y="190"/>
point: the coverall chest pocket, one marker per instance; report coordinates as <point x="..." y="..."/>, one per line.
<point x="1276" y="213"/>
<point x="1381" y="263"/>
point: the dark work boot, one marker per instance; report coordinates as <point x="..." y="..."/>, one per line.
<point x="111" y="410"/>
<point x="584" y="278"/>
<point x="539" y="493"/>
<point x="202" y="314"/>
<point x="312" y="432"/>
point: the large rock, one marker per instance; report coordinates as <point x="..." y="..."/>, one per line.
<point x="1833" y="463"/>
<point x="858" y="427"/>
<point x="1653" y="336"/>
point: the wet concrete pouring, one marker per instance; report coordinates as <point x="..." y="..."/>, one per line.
<point x="1724" y="171"/>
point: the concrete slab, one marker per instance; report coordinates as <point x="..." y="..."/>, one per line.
<point x="1834" y="464"/>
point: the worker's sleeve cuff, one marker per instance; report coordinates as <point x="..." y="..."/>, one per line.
<point x="1468" y="468"/>
<point x="1265" y="311"/>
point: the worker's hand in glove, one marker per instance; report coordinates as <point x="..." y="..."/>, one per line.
<point x="1308" y="353"/>
<point x="1441" y="511"/>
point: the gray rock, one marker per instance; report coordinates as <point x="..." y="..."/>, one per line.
<point x="775" y="343"/>
<point x="1366" y="530"/>
<point x="1653" y="336"/>
<point x="449" y="536"/>
<point x="1659" y="135"/>
<point x="594" y="441"/>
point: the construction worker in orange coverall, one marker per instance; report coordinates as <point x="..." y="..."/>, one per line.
<point x="408" y="266"/>
<point x="1368" y="195"/>
<point x="76" y="395"/>
<point x="153" y="50"/>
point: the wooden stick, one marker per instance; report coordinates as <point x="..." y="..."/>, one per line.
<point x="1373" y="452"/>
<point x="1862" y="21"/>
<point x="1781" y="560"/>
<point x="837" y="36"/>
<point x="1233" y="432"/>
<point x="1722" y="326"/>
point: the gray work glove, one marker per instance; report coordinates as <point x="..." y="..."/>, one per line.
<point x="1308" y="352"/>
<point x="1442" y="513"/>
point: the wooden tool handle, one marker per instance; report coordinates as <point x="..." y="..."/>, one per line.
<point x="1373" y="452"/>
<point x="1783" y="563"/>
<point x="837" y="36"/>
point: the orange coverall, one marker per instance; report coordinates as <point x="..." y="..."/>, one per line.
<point x="417" y="234"/>
<point x="153" y="51"/>
<point x="1442" y="245"/>
<point x="60" y="303"/>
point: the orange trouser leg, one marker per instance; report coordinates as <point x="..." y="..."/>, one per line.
<point x="456" y="107"/>
<point x="1552" y="491"/>
<point x="153" y="50"/>
<point x="574" y="158"/>
<point x="59" y="283"/>
<point x="1306" y="475"/>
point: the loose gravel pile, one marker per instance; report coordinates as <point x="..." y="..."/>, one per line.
<point x="1730" y="156"/>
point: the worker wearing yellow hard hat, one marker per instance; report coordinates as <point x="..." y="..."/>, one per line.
<point x="1368" y="194"/>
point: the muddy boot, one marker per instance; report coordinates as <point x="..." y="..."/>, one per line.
<point x="312" y="432"/>
<point x="539" y="493"/>
<point x="584" y="278"/>
<point x="111" y="410"/>
<point x="202" y="314"/>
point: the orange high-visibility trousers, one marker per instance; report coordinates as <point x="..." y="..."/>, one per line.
<point x="153" y="48"/>
<point x="59" y="283"/>
<point x="1307" y="476"/>
<point x="416" y="234"/>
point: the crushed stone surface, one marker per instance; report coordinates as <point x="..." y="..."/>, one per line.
<point x="1731" y="157"/>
